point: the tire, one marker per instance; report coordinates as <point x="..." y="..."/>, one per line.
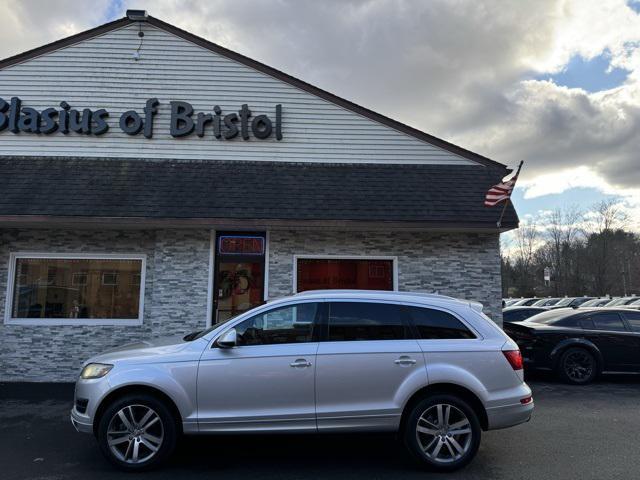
<point x="577" y="366"/>
<point x="136" y="446"/>
<point x="455" y="450"/>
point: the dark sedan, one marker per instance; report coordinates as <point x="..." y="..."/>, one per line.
<point x="579" y="344"/>
<point x="520" y="314"/>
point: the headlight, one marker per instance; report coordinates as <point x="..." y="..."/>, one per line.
<point x="95" y="370"/>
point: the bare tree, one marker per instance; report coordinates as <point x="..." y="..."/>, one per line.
<point x="592" y="254"/>
<point x="526" y="242"/>
<point x="562" y="229"/>
<point x="607" y="218"/>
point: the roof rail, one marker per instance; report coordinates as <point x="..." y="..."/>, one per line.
<point x="374" y="292"/>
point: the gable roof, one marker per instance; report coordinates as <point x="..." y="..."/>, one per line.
<point x="348" y="105"/>
<point x="136" y="191"/>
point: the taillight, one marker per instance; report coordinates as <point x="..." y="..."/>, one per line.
<point x="514" y="357"/>
<point x="526" y="400"/>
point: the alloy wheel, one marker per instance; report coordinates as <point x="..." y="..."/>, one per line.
<point x="135" y="434"/>
<point x="579" y="365"/>
<point x="444" y="433"/>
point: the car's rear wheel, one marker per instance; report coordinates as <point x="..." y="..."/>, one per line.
<point x="137" y="432"/>
<point x="442" y="432"/>
<point x="578" y="366"/>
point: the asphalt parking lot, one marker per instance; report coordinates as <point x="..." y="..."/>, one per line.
<point x="577" y="432"/>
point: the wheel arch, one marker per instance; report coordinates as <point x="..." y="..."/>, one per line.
<point x="447" y="388"/>
<point x="561" y="347"/>
<point x="132" y="390"/>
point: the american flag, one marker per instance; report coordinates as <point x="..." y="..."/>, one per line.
<point x="502" y="191"/>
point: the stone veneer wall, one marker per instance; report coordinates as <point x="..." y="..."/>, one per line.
<point x="462" y="265"/>
<point x="458" y="264"/>
<point x="175" y="297"/>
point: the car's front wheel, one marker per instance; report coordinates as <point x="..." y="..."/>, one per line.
<point x="137" y="432"/>
<point x="442" y="432"/>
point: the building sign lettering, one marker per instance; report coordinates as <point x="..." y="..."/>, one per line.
<point x="183" y="121"/>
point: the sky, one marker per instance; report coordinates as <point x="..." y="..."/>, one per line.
<point x="555" y="83"/>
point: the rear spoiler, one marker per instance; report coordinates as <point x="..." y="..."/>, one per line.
<point x="518" y="328"/>
<point x="477" y="306"/>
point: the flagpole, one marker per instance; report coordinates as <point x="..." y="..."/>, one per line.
<point x="499" y="222"/>
<point x="504" y="209"/>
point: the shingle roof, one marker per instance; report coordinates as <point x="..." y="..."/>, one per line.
<point x="437" y="195"/>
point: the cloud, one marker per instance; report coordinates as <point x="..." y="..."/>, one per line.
<point x="29" y="24"/>
<point x="560" y="181"/>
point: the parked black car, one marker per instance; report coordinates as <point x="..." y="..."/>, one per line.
<point x="579" y="344"/>
<point x="520" y="314"/>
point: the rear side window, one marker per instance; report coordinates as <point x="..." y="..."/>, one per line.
<point x="634" y="320"/>
<point x="515" y="315"/>
<point x="359" y="321"/>
<point x="518" y="315"/>
<point x="436" y="324"/>
<point x="607" y="321"/>
<point x="573" y="321"/>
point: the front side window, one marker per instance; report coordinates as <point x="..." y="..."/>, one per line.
<point x="290" y="324"/>
<point x="356" y="321"/>
<point x="436" y="324"/>
<point x="76" y="288"/>
<point x="607" y="321"/>
<point x="634" y="320"/>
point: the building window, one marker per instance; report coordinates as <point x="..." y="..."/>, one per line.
<point x="76" y="289"/>
<point x="344" y="273"/>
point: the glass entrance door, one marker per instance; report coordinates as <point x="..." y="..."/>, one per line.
<point x="239" y="273"/>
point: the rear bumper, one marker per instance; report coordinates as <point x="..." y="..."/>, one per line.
<point x="509" y="415"/>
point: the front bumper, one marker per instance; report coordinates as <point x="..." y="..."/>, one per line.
<point x="81" y="422"/>
<point x="91" y="392"/>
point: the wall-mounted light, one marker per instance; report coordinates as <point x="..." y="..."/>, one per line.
<point x="138" y="16"/>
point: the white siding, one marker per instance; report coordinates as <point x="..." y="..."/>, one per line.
<point x="101" y="73"/>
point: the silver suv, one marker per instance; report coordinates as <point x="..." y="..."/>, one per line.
<point x="432" y="368"/>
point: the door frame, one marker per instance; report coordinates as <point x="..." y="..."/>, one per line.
<point x="214" y="259"/>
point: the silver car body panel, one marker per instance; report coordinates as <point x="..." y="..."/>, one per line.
<point x="365" y="384"/>
<point x="255" y="388"/>
<point x="359" y="385"/>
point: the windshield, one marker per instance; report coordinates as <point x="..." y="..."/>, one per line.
<point x="564" y="302"/>
<point x="546" y="302"/>
<point x="618" y="301"/>
<point x="595" y="302"/>
<point x="547" y="318"/>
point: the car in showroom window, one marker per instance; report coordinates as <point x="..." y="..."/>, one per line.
<point x="319" y="361"/>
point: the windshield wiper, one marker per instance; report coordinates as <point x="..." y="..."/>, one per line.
<point x="191" y="336"/>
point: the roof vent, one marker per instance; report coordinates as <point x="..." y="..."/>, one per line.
<point x="137" y="15"/>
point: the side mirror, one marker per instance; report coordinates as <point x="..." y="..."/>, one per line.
<point x="228" y="339"/>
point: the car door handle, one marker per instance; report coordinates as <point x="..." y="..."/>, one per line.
<point x="405" y="361"/>
<point x="300" y="363"/>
